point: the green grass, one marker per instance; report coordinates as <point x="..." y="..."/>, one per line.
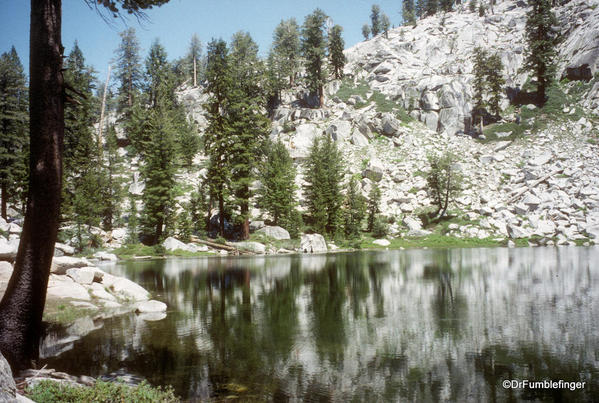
<point x="551" y="113"/>
<point x="129" y="251"/>
<point x="51" y="391"/>
<point x="436" y="241"/>
<point x="63" y="313"/>
<point x="289" y="244"/>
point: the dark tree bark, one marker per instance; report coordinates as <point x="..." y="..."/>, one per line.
<point x="22" y="306"/>
<point x="4" y="196"/>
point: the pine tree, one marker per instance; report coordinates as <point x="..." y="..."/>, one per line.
<point x="374" y="200"/>
<point x="366" y="31"/>
<point x="277" y="190"/>
<point x="13" y="129"/>
<point x="408" y="12"/>
<point x="82" y="203"/>
<point x="472" y="6"/>
<point x="336" y="46"/>
<point x="495" y="82"/>
<point x="216" y="140"/>
<point x="480" y="83"/>
<point x="355" y="210"/>
<point x="420" y="9"/>
<point x="446" y="5"/>
<point x="132" y="222"/>
<point x="193" y="62"/>
<point x="113" y="178"/>
<point x="375" y="20"/>
<point x="481" y="10"/>
<point x="248" y="124"/>
<point x="158" y="72"/>
<point x="324" y="173"/>
<point x="542" y="40"/>
<point x="314" y="50"/>
<point x="444" y="181"/>
<point x="128" y="70"/>
<point x="385" y="25"/>
<point x="432" y="6"/>
<point x="286" y="48"/>
<point x="188" y="141"/>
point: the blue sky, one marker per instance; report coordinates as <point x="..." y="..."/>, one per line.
<point x="175" y="22"/>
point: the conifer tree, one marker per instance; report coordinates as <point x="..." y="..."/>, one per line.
<point x="324" y="173"/>
<point x="216" y="141"/>
<point x="366" y="31"/>
<point x="286" y="48"/>
<point x="113" y="187"/>
<point x="158" y="70"/>
<point x="128" y="69"/>
<point x="495" y="82"/>
<point x="277" y="190"/>
<point x="472" y="6"/>
<point x="408" y="12"/>
<point x="420" y="9"/>
<point x="541" y="39"/>
<point x="355" y="210"/>
<point x="193" y="63"/>
<point x="385" y="25"/>
<point x="480" y="83"/>
<point x="132" y="222"/>
<point x="375" y="20"/>
<point x="82" y="177"/>
<point x="314" y="49"/>
<point x="336" y="46"/>
<point x="432" y="6"/>
<point x="446" y="5"/>
<point x="13" y="129"/>
<point x="249" y="126"/>
<point x="374" y="200"/>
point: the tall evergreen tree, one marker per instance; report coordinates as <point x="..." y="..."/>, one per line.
<point x="366" y="31"/>
<point x="480" y="83"/>
<point x="113" y="178"/>
<point x="82" y="176"/>
<point x="408" y="12"/>
<point x="374" y="201"/>
<point x="336" y="45"/>
<point x="193" y="62"/>
<point x="385" y="24"/>
<point x="420" y="8"/>
<point x="314" y="45"/>
<point x="446" y="5"/>
<point x="495" y="82"/>
<point x="13" y="128"/>
<point x="277" y="190"/>
<point x="375" y="20"/>
<point x="158" y="72"/>
<point x="431" y="8"/>
<point x="287" y="48"/>
<point x="541" y="39"/>
<point x="324" y="173"/>
<point x="128" y="69"/>
<point x="216" y="140"/>
<point x="248" y="124"/>
<point x="355" y="210"/>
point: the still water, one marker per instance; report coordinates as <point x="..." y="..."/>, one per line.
<point x="424" y="325"/>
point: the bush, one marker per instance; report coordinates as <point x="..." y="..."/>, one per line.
<point x="52" y="391"/>
<point x="379" y="228"/>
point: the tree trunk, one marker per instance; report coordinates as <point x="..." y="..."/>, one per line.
<point x="4" y="195"/>
<point x="320" y="96"/>
<point x="195" y="74"/>
<point x="221" y="214"/>
<point x="22" y="307"/>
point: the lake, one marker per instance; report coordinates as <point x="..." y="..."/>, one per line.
<point x="423" y="324"/>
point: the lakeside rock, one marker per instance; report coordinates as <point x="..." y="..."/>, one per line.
<point x="274" y="232"/>
<point x="312" y="243"/>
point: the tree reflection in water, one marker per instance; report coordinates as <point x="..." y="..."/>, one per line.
<point x="383" y="326"/>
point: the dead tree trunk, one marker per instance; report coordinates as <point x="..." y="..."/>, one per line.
<point x="23" y="303"/>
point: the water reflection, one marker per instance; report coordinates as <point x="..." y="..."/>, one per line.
<point x="381" y="326"/>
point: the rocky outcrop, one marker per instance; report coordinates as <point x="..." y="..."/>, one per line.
<point x="275" y="232"/>
<point x="313" y="243"/>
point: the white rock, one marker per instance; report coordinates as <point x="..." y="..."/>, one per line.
<point x="62" y="263"/>
<point x="275" y="232"/>
<point x="150" y="306"/>
<point x="82" y="275"/>
<point x="111" y="257"/>
<point x="381" y="242"/>
<point x="99" y="291"/>
<point x="65" y="287"/>
<point x="125" y="289"/>
<point x="412" y="223"/>
<point x="255" y="247"/>
<point x="312" y="243"/>
<point x="172" y="244"/>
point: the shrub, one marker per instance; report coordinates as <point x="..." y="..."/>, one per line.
<point x="51" y="391"/>
<point x="444" y="181"/>
<point x="379" y="228"/>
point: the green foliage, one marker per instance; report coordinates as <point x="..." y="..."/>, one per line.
<point x="13" y="129"/>
<point x="193" y="62"/>
<point x="443" y="180"/>
<point x="336" y="46"/>
<point x="184" y="224"/>
<point x="385" y="24"/>
<point x="286" y="49"/>
<point x="374" y="201"/>
<point x="488" y="83"/>
<point x="366" y="31"/>
<point x="375" y="20"/>
<point x="408" y="12"/>
<point x="48" y="391"/>
<point x="472" y="5"/>
<point x="379" y="228"/>
<point x="542" y="39"/>
<point x="314" y="45"/>
<point x="324" y="173"/>
<point x="277" y="193"/>
<point x="113" y="179"/>
<point x="446" y="5"/>
<point x="128" y="70"/>
<point x="132" y="223"/>
<point x="355" y="210"/>
<point x="431" y="7"/>
<point x="481" y="10"/>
